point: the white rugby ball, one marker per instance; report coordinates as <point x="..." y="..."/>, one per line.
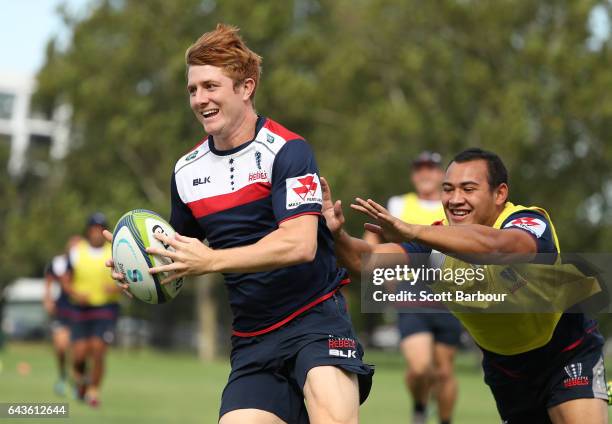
<point x="133" y="233"/>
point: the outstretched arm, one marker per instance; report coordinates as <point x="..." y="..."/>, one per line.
<point x="349" y="250"/>
<point x="464" y="240"/>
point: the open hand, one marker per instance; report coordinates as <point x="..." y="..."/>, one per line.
<point x="392" y="228"/>
<point x="332" y="212"/>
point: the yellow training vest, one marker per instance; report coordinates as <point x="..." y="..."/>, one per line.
<point x="528" y="287"/>
<point x="410" y="209"/>
<point x="90" y="277"/>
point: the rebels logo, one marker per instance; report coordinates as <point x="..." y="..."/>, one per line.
<point x="259" y="175"/>
<point x="532" y="224"/>
<point x="342" y="347"/>
<point x="574" y="371"/>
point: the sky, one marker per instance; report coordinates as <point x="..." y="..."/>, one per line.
<point x="25" y="27"/>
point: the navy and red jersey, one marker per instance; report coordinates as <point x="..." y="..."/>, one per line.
<point x="235" y="198"/>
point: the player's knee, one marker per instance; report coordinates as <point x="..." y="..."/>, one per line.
<point x="444" y="374"/>
<point x="97" y="354"/>
<point x="419" y="371"/>
<point x="255" y="416"/>
<point x="322" y="410"/>
<point x="79" y="355"/>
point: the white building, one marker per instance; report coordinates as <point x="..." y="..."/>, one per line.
<point x="32" y="138"/>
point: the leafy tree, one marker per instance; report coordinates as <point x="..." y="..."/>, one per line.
<point x="369" y="83"/>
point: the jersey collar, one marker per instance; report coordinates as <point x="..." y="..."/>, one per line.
<point x="258" y="126"/>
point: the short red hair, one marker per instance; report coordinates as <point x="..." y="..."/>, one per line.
<point x="224" y="48"/>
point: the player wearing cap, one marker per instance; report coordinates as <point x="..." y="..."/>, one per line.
<point x="428" y="338"/>
<point x="541" y="367"/>
<point x="251" y="188"/>
<point x="95" y="298"/>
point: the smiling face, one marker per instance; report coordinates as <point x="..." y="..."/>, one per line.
<point x="467" y="196"/>
<point x="217" y="102"/>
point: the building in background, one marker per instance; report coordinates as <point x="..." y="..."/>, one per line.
<point x="28" y="139"/>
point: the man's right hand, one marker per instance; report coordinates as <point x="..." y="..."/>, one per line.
<point x="117" y="276"/>
<point x="332" y="212"/>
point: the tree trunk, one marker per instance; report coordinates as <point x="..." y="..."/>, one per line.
<point x="207" y="314"/>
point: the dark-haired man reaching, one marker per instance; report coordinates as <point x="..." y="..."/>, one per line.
<point x="541" y="368"/>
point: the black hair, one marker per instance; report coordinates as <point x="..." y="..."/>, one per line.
<point x="497" y="172"/>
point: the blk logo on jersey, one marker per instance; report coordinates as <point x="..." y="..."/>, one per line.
<point x="342" y="347"/>
<point x="200" y="181"/>
<point x="303" y="190"/>
<point x="534" y="225"/>
<point x="574" y="371"/>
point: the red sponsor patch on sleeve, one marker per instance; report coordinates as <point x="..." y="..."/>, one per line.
<point x="532" y="224"/>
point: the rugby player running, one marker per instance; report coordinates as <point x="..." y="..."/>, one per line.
<point x="251" y="188"/>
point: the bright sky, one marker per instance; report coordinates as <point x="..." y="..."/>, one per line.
<point x="25" y="27"/>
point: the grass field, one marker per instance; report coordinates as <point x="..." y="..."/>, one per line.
<point x="152" y="387"/>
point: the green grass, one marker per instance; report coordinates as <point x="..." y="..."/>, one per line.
<point x="152" y="387"/>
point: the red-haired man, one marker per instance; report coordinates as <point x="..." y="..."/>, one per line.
<point x="251" y="188"/>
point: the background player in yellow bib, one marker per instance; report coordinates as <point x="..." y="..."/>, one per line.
<point x="428" y="338"/>
<point x="541" y="368"/>
<point x="95" y="297"/>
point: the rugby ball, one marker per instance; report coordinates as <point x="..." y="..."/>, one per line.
<point x="133" y="233"/>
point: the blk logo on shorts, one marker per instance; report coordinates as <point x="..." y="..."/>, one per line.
<point x="574" y="371"/>
<point x="342" y="347"/>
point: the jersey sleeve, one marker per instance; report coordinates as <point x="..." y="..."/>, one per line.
<point x="296" y="189"/>
<point x="418" y="254"/>
<point x="59" y="265"/>
<point x="536" y="225"/>
<point x="181" y="218"/>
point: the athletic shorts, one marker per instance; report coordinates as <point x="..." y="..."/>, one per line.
<point x="94" y="321"/>
<point x="269" y="371"/>
<point x="63" y="315"/>
<point x="526" y="385"/>
<point x="444" y="327"/>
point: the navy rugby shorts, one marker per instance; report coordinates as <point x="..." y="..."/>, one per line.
<point x="269" y="371"/>
<point x="526" y="385"/>
<point x="444" y="327"/>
